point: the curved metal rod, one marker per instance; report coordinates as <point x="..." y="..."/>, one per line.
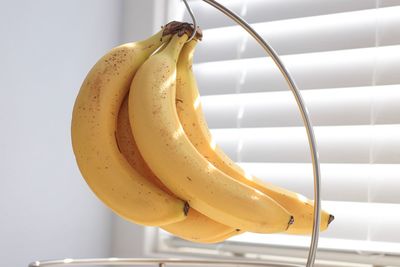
<point x="148" y="261"/>
<point x="304" y="114"/>
<point x="193" y="19"/>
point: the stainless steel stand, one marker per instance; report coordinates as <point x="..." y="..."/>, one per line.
<point x="314" y="158"/>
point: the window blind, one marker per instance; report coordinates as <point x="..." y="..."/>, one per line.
<point x="345" y="57"/>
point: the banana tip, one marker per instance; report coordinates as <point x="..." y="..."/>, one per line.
<point x="291" y="221"/>
<point x="186" y="208"/>
<point x="331" y="218"/>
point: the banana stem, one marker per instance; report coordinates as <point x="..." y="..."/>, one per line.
<point x="175" y="45"/>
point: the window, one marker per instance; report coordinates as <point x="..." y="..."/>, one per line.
<point x="345" y="57"/>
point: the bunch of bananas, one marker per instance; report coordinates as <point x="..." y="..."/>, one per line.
<point x="143" y="146"/>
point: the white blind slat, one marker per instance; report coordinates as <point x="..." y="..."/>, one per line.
<point x="338" y="106"/>
<point x="344" y="68"/>
<point x="334" y="32"/>
<point x="209" y="17"/>
<point x="376" y="183"/>
<point x="336" y="144"/>
<point x="260" y="10"/>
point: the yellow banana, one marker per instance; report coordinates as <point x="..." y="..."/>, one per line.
<point x="221" y="238"/>
<point x="171" y="156"/>
<point x="201" y="229"/>
<point x="94" y="119"/>
<point x="196" y="227"/>
<point x="194" y="124"/>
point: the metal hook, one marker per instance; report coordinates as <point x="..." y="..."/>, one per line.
<point x="193" y="19"/>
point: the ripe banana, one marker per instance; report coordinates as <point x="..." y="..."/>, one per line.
<point x="94" y="118"/>
<point x="224" y="237"/>
<point x="201" y="229"/>
<point x="194" y="124"/>
<point x="171" y="156"/>
<point x="196" y="227"/>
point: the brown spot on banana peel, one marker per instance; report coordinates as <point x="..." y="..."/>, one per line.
<point x="148" y="47"/>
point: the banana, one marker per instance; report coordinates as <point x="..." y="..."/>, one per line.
<point x="194" y="124"/>
<point x="223" y="237"/>
<point x="196" y="227"/>
<point x="201" y="229"/>
<point x="94" y="118"/>
<point x="171" y="156"/>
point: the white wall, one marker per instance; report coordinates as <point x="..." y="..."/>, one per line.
<point x="47" y="47"/>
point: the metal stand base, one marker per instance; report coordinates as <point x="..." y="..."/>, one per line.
<point x="160" y="262"/>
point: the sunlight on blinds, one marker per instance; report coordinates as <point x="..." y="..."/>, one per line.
<point x="345" y="57"/>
